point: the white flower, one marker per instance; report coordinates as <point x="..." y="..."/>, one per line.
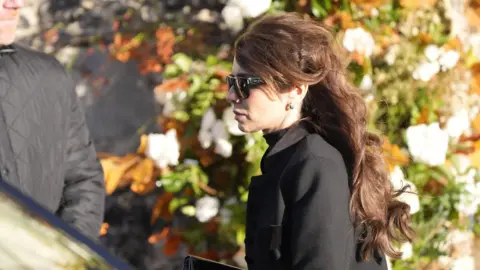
<point x="391" y="55"/>
<point x="219" y="131"/>
<point x="232" y="15"/>
<point x="251" y="8"/>
<point x="454" y="239"/>
<point x="223" y="148"/>
<point x="164" y="149"/>
<point x="427" y="144"/>
<point x="359" y="40"/>
<point x="168" y="99"/>
<point x="432" y="52"/>
<point x="458" y="124"/>
<point x="426" y="71"/>
<point x="366" y="83"/>
<point x="208" y="120"/>
<point x="469" y="200"/>
<point x="205" y="137"/>
<point x="214" y="130"/>
<point x="448" y="59"/>
<point x="407" y="250"/>
<point x="410" y="196"/>
<point x="444" y="261"/>
<point x="463" y="263"/>
<point x="232" y="124"/>
<point x="462" y="171"/>
<point x="207" y="208"/>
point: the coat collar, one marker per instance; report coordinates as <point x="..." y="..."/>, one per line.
<point x="7" y="49"/>
<point x="294" y="134"/>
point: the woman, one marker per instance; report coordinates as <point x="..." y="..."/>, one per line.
<point x="324" y="200"/>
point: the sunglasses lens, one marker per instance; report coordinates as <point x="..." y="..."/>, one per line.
<point x="239" y="85"/>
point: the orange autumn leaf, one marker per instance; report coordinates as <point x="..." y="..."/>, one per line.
<point x="141" y="188"/>
<point x="476" y="123"/>
<point x="346" y="20"/>
<point x="425" y="38"/>
<point x="172" y="85"/>
<point x="104" y="229"/>
<point x="342" y="18"/>
<point x="417" y="4"/>
<point x="114" y="169"/>
<point x="475" y="156"/>
<point x="453" y="44"/>
<point x="165" y="43"/>
<point x="393" y="155"/>
<point x="472" y="13"/>
<point x="160" y="209"/>
<point x="423" y="117"/>
<point x="154" y="238"/>
<point x="221" y="73"/>
<point x="143" y="144"/>
<point x="172" y="244"/>
<point x="475" y="82"/>
<point x="123" y="56"/>
<point x="143" y="172"/>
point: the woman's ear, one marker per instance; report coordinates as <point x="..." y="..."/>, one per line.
<point x="298" y="92"/>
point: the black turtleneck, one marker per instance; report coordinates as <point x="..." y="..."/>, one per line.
<point x="271" y="138"/>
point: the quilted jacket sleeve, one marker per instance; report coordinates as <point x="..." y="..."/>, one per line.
<point x="84" y="192"/>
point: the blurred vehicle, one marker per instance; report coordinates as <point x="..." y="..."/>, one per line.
<point x="33" y="238"/>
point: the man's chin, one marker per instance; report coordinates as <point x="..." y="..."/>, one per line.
<point x="6" y="40"/>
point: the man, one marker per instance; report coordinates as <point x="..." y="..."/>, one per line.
<point x="45" y="147"/>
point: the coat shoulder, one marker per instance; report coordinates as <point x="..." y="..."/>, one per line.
<point x="314" y="147"/>
<point x="29" y="60"/>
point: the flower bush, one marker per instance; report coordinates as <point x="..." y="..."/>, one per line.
<point x="416" y="64"/>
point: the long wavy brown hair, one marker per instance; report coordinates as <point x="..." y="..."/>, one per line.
<point x="291" y="50"/>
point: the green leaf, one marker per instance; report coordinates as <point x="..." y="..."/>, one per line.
<point x="176" y="202"/>
<point x="189" y="210"/>
<point x="317" y="9"/>
<point x="172" y="183"/>
<point x="182" y="116"/>
<point x="171" y="71"/>
<point x="182" y="61"/>
<point x="241" y="236"/>
<point x="196" y="84"/>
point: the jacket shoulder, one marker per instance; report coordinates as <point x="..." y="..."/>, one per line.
<point x="314" y="147"/>
<point x="40" y="62"/>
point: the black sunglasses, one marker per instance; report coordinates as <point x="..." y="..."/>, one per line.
<point x="242" y="84"/>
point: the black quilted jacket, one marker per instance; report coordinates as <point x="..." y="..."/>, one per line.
<point x="45" y="147"/>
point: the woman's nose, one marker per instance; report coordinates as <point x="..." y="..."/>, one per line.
<point x="231" y="96"/>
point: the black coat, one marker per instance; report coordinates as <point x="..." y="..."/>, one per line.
<point x="298" y="210"/>
<point x="45" y="148"/>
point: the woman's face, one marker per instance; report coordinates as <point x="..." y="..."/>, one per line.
<point x="263" y="109"/>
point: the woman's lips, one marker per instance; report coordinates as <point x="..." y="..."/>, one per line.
<point x="239" y="115"/>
